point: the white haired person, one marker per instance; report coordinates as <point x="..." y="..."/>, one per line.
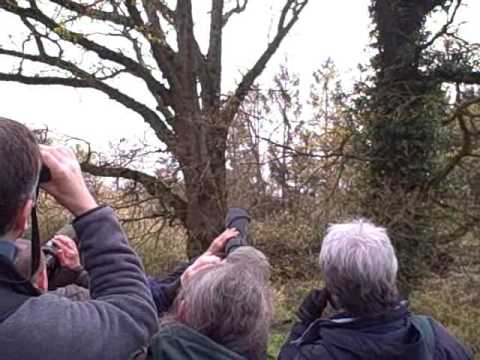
<point x="223" y="307"/>
<point x="360" y="273"/>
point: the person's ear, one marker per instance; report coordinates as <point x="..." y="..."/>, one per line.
<point x="181" y="311"/>
<point x="42" y="279"/>
<point x="23" y="216"/>
<point x="41" y="282"/>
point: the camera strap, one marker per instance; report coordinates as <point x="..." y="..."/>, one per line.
<point x="35" y="242"/>
<point x="35" y="238"/>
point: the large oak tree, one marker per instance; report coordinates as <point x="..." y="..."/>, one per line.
<point x="92" y="43"/>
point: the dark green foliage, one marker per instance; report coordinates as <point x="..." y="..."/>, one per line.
<point x="400" y="113"/>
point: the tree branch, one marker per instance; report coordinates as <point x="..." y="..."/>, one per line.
<point x="93" y="13"/>
<point x="164" y="55"/>
<point x="211" y="87"/>
<point x="458" y="77"/>
<point x="444" y="28"/>
<point x="102" y="52"/>
<point x="167" y="13"/>
<point x="86" y="80"/>
<point x="154" y="186"/>
<point x="239" y="8"/>
<point x="464" y="151"/>
<point x="44" y="80"/>
<point x="186" y="51"/>
<point x="291" y="7"/>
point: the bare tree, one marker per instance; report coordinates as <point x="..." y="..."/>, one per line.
<point x="153" y="42"/>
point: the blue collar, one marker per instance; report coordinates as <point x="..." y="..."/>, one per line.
<point x="8" y="250"/>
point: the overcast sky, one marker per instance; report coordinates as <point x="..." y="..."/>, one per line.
<point x="337" y="29"/>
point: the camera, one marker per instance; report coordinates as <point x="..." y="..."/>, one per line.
<point x="51" y="259"/>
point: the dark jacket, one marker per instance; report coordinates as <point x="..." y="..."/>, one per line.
<point x="61" y="277"/>
<point x="176" y="341"/>
<point x="115" y="324"/>
<point x="164" y="290"/>
<point x="72" y="292"/>
<point x="397" y="335"/>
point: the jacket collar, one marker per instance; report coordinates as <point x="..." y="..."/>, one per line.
<point x="345" y="321"/>
<point x="9" y="276"/>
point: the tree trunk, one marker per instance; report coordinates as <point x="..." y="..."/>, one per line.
<point x="201" y="156"/>
<point x="401" y="127"/>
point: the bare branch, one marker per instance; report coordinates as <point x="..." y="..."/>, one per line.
<point x="37" y="36"/>
<point x="444" y="28"/>
<point x="134" y="13"/>
<point x="461" y="109"/>
<point x="103" y="52"/>
<point x="163" y="54"/>
<point x="93" y="13"/>
<point x="153" y="185"/>
<point x="166" y="12"/>
<point x="44" y="80"/>
<point x="292" y="8"/>
<point x="457" y="77"/>
<point x="464" y="151"/>
<point x="238" y="9"/>
<point x="211" y="87"/>
<point x="83" y="79"/>
<point x="186" y="49"/>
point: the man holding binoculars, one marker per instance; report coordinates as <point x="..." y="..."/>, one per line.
<point x="121" y="317"/>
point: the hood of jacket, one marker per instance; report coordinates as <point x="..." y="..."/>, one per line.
<point x="179" y="342"/>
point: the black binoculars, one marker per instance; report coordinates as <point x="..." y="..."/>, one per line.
<point x="51" y="259"/>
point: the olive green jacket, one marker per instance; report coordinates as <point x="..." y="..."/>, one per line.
<point x="179" y="342"/>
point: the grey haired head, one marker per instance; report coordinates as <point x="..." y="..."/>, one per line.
<point x="230" y="303"/>
<point x="360" y="267"/>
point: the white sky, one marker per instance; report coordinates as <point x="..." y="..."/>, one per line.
<point x="338" y="29"/>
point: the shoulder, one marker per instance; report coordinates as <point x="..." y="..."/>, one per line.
<point x="297" y="351"/>
<point x="448" y="346"/>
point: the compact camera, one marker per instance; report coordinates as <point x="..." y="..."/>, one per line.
<point x="51" y="260"/>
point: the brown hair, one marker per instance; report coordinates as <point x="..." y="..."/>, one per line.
<point x="20" y="162"/>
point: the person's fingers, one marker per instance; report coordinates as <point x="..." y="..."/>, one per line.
<point x="207" y="259"/>
<point x="64" y="253"/>
<point x="65" y="241"/>
<point x="189" y="273"/>
<point x="61" y="245"/>
<point x="60" y="254"/>
<point x="198" y="264"/>
<point x="67" y="184"/>
<point x="202" y="263"/>
<point x="220" y="241"/>
<point x="57" y="243"/>
<point x="202" y="267"/>
<point x="48" y="159"/>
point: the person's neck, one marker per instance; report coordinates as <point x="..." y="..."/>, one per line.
<point x="8" y="236"/>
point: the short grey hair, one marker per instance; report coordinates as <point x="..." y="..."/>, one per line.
<point x="251" y="258"/>
<point x="230" y="303"/>
<point x="360" y="268"/>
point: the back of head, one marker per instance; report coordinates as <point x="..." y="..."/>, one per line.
<point x="252" y="260"/>
<point x="360" y="268"/>
<point x="20" y="160"/>
<point x="231" y="306"/>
